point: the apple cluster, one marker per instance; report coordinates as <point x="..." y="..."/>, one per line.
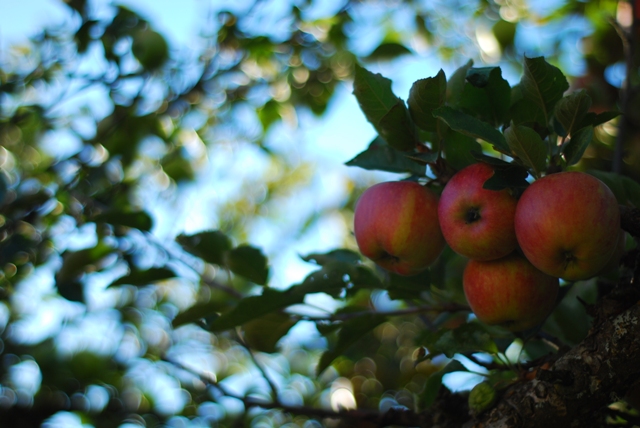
<point x="564" y="225"/>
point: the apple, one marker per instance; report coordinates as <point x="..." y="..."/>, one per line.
<point x="567" y="225"/>
<point x="396" y="226"/>
<point x="509" y="292"/>
<point x="477" y="223"/>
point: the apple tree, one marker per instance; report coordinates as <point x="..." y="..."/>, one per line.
<point x="114" y="313"/>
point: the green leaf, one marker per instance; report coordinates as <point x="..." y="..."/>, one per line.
<point x="579" y="142"/>
<point x="350" y="333"/>
<point x="383" y="109"/>
<point x="374" y="94"/>
<point x="526" y="144"/>
<point x="513" y="177"/>
<point x="432" y="386"/>
<point x="458" y="149"/>
<point x="625" y="189"/>
<point x="523" y="111"/>
<point x="210" y="246"/>
<point x="469" y="337"/>
<point x="456" y="84"/>
<point x="397" y="128"/>
<point x="487" y="96"/>
<point x="207" y="311"/>
<point x="387" y="51"/>
<point x="262" y="334"/>
<point x="340" y="255"/>
<point x="141" y="278"/>
<point x="253" y="307"/>
<point x="336" y="276"/>
<point x="75" y="263"/>
<point x="594" y="119"/>
<point x="423" y="158"/>
<point x="493" y="161"/>
<point x="408" y="287"/>
<point x="138" y="219"/>
<point x="380" y="156"/>
<point x="572" y="109"/>
<point x="248" y="262"/>
<point x="472" y="127"/>
<point x="425" y="96"/>
<point x="543" y="84"/>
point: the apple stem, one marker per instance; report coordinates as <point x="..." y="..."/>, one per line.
<point x="568" y="259"/>
<point x="473" y="214"/>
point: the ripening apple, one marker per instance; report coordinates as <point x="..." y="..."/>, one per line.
<point x="568" y="224"/>
<point x="396" y="226"/>
<point x="477" y="223"/>
<point x="509" y="292"/>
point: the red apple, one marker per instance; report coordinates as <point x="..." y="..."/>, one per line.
<point x="509" y="292"/>
<point x="567" y="225"/>
<point x="396" y="226"/>
<point x="476" y="222"/>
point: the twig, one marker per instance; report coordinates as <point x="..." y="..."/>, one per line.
<point x="452" y="307"/>
<point x="399" y="417"/>
<point x="628" y="38"/>
<point x="272" y="385"/>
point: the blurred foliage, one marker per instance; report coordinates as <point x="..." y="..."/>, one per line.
<point x="109" y="316"/>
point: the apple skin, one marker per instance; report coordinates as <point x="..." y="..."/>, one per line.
<point x="509" y="292"/>
<point x="477" y="223"/>
<point x="567" y="225"/>
<point x="396" y="226"/>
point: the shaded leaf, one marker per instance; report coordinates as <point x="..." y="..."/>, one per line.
<point x="423" y="158"/>
<point x="425" y="96"/>
<point x="336" y="276"/>
<point x="625" y="189"/>
<point x="543" y="84"/>
<point x="469" y="337"/>
<point x="141" y="278"/>
<point x="571" y="110"/>
<point x="493" y="161"/>
<point x="248" y="262"/>
<point x="432" y="386"/>
<point x="253" y="307"/>
<point x="383" y="109"/>
<point x="207" y="311"/>
<point x="210" y="246"/>
<point x="526" y="144"/>
<point x="262" y="334"/>
<point x="397" y="128"/>
<point x="458" y="149"/>
<point x="388" y="51"/>
<point x="456" y="84"/>
<point x="408" y="287"/>
<point x="514" y="177"/>
<point x="75" y="263"/>
<point x="487" y="96"/>
<point x="138" y="220"/>
<point x="472" y="127"/>
<point x="340" y="255"/>
<point x="576" y="147"/>
<point x="380" y="156"/>
<point x="594" y="119"/>
<point x="350" y="333"/>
